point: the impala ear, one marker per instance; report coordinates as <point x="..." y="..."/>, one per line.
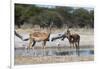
<point x="68" y="31"/>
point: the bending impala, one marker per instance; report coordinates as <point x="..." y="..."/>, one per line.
<point x="37" y="37"/>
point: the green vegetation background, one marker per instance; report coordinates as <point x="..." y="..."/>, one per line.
<point x="59" y="15"/>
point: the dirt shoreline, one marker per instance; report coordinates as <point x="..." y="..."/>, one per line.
<point x="60" y="47"/>
<point x="26" y="60"/>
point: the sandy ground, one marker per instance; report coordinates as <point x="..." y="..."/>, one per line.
<point x="21" y="60"/>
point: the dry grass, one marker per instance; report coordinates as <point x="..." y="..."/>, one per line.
<point x="78" y="30"/>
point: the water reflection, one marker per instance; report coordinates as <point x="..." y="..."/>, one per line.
<point x="51" y="52"/>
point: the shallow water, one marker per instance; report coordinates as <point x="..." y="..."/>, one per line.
<point x="52" y="52"/>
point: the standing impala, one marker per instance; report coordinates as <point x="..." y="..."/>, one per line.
<point x="74" y="39"/>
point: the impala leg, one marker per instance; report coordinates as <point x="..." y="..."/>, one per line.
<point x="78" y="44"/>
<point x="44" y="43"/>
<point x="70" y="45"/>
<point x="77" y="48"/>
<point x="34" y="42"/>
<point x="73" y="44"/>
<point x="30" y="43"/>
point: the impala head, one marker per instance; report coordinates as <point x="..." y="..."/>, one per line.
<point x="68" y="33"/>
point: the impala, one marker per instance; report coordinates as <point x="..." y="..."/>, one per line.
<point x="74" y="39"/>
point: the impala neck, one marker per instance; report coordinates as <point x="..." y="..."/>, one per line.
<point x="68" y="33"/>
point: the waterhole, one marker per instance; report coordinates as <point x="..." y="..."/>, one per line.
<point x="52" y="52"/>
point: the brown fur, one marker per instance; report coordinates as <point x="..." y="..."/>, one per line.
<point x="38" y="36"/>
<point x="74" y="39"/>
